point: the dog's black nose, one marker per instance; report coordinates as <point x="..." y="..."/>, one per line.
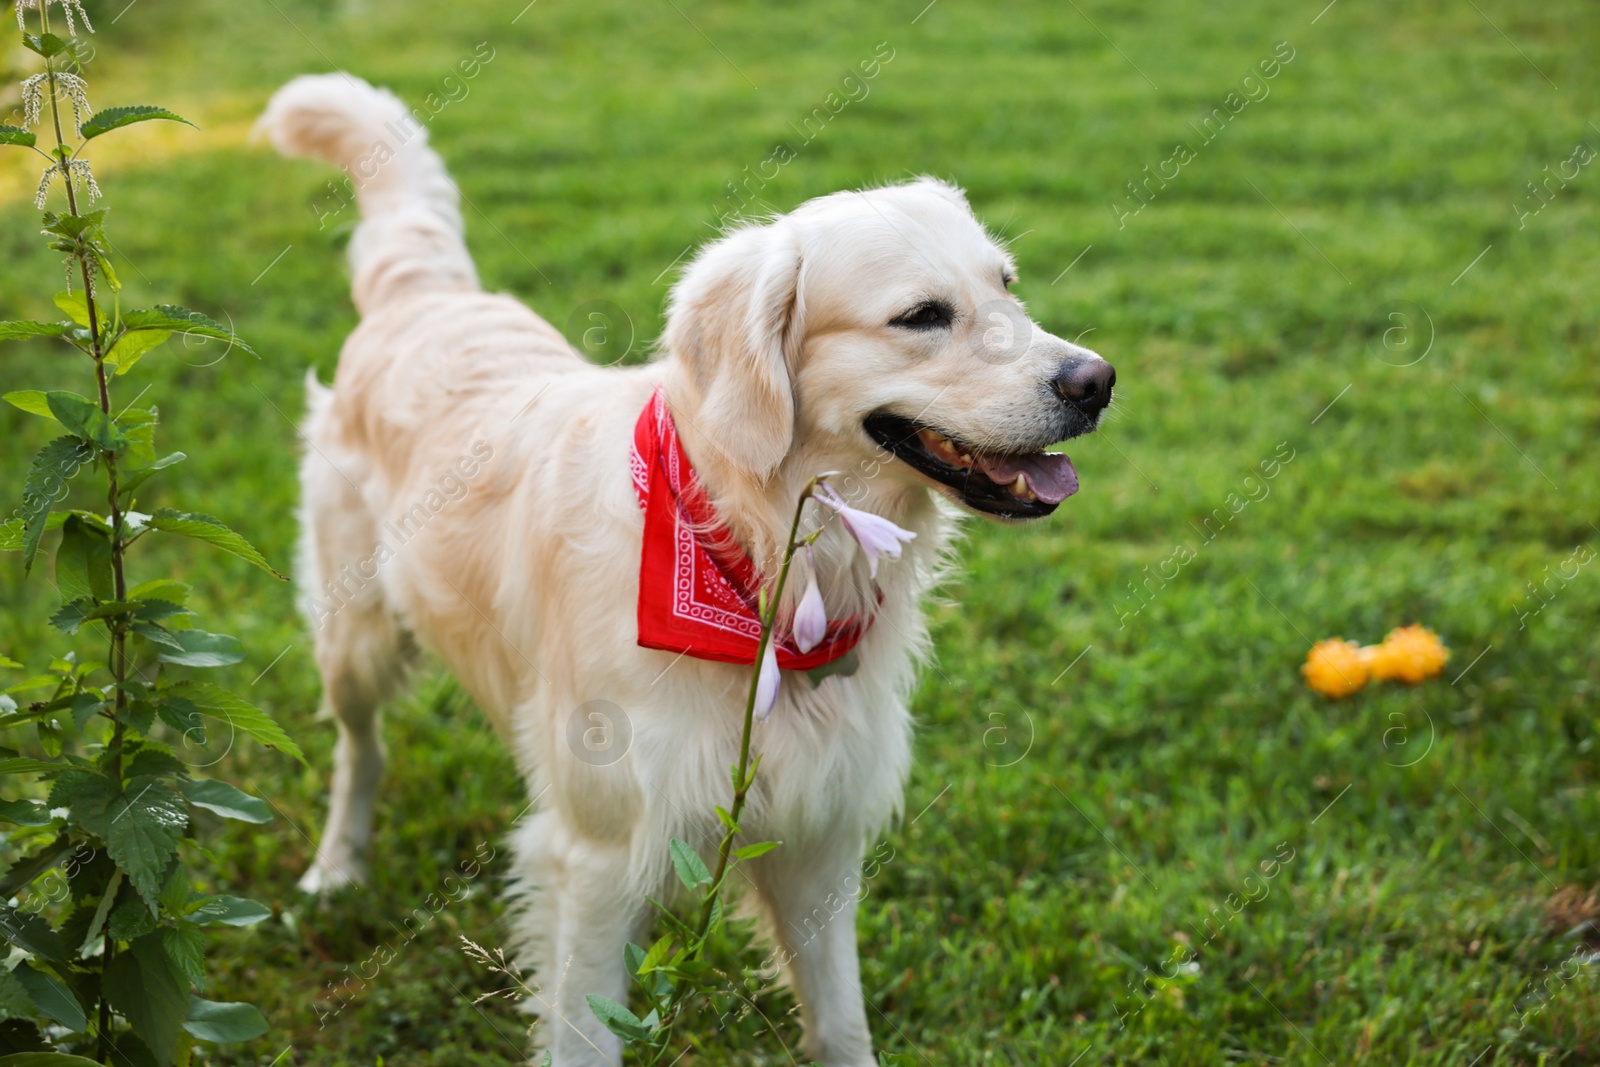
<point x="1086" y="385"/>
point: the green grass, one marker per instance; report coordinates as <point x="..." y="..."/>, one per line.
<point x="1075" y="827"/>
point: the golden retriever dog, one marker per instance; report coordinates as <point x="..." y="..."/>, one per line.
<point x="467" y="490"/>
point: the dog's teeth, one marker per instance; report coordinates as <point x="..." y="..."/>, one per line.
<point x="1019" y="487"/>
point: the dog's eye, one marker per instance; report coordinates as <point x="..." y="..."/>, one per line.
<point x="1007" y="278"/>
<point x="930" y="315"/>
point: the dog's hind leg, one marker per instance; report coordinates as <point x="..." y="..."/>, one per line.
<point x="361" y="658"/>
<point x="361" y="651"/>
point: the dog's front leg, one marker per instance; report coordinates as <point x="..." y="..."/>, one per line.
<point x="597" y="911"/>
<point x="811" y="897"/>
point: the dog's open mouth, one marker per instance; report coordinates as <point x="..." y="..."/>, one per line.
<point x="1023" y="485"/>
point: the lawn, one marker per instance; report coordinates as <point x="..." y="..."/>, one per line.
<point x="1343" y="278"/>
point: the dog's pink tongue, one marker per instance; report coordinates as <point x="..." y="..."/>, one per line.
<point x="1050" y="474"/>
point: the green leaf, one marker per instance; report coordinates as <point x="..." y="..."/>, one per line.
<point x="229" y="911"/>
<point x="114" y="118"/>
<point x="90" y="799"/>
<point x="25" y="812"/>
<point x="760" y="848"/>
<point x="28" y="868"/>
<point x="85" y="706"/>
<point x="152" y="608"/>
<point x="150" y="993"/>
<point x="175" y="894"/>
<point x="31" y="400"/>
<point x="186" y="948"/>
<point x="180" y="714"/>
<point x="76" y="305"/>
<point x="130" y="919"/>
<point x="713" y="922"/>
<point x="196" y="648"/>
<point x="23" y="765"/>
<point x="212" y="531"/>
<point x="632" y="958"/>
<point x="225" y="800"/>
<point x="74" y="226"/>
<point x="160" y="589"/>
<point x="657" y="953"/>
<point x="46" y="1059"/>
<point x="618" y="1019"/>
<point x="675" y="924"/>
<point x="14" y="1000"/>
<point x="46" y="44"/>
<point x="37" y="681"/>
<point x="50" y="735"/>
<point x="83" y="561"/>
<point x="139" y="714"/>
<point x="176" y="319"/>
<point x="142" y="836"/>
<point x="218" y="703"/>
<point x="85" y="419"/>
<point x="16" y="330"/>
<point x="53" y="999"/>
<point x="71" y="616"/>
<point x="154" y="760"/>
<point x="18" y="136"/>
<point x="224" y="1023"/>
<point x="131" y="345"/>
<point x="107" y="898"/>
<point x="52" y="468"/>
<point x="686" y="861"/>
<point x="32" y="934"/>
<point x="136" y="478"/>
<point x="157" y="635"/>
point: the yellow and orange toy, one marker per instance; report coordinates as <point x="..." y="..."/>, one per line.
<point x="1410" y="654"/>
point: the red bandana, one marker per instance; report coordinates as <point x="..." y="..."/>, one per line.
<point x="697" y="587"/>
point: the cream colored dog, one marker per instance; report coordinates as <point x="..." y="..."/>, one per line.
<point x="466" y="485"/>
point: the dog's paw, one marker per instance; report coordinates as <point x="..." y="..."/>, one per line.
<point x="324" y="878"/>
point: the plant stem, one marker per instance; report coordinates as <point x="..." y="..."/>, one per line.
<point x="119" y="655"/>
<point x="742" y="787"/>
<point x="745" y="776"/>
<point x="119" y="634"/>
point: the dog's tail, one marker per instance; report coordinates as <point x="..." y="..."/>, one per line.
<point x="409" y="240"/>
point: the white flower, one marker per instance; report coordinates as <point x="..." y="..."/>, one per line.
<point x="44" y="185"/>
<point x="69" y="85"/>
<point x="767" y="682"/>
<point x="68" y="7"/>
<point x="76" y="90"/>
<point x="72" y="168"/>
<point x="873" y="533"/>
<point x="811" y="617"/>
<point x="32" y="98"/>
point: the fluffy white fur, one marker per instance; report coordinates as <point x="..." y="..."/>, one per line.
<point x="777" y="347"/>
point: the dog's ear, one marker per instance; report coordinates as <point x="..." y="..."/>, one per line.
<point x="735" y="320"/>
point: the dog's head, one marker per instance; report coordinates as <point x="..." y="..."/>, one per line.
<point x="882" y="321"/>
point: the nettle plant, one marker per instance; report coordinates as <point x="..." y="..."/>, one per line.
<point x="104" y="931"/>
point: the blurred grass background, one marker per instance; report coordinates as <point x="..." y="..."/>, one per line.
<point x="1099" y="768"/>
